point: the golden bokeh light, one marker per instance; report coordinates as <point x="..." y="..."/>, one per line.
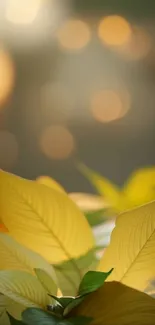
<point x="21" y="12"/>
<point x="139" y="45"/>
<point x="114" y="30"/>
<point x="7" y="76"/>
<point x="8" y="149"/>
<point x="108" y="105"/>
<point x="57" y="142"/>
<point x="74" y="35"/>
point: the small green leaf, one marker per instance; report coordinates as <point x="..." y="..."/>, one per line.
<point x="14" y="321"/>
<point x="96" y="218"/>
<point x="36" y="316"/>
<point x="63" y="301"/>
<point x="92" y="281"/>
<point x="79" y="320"/>
<point x="77" y="301"/>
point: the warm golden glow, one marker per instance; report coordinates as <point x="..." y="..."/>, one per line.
<point x="7" y="75"/>
<point x="22" y="12"/>
<point x="8" y="149"/>
<point x="139" y="46"/>
<point x="74" y="35"/>
<point x="114" y="30"/>
<point x="108" y="105"/>
<point x="57" y="142"/>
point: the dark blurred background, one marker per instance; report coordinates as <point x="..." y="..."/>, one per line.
<point x="77" y="83"/>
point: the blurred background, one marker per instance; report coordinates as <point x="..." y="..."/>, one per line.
<point x="77" y="84"/>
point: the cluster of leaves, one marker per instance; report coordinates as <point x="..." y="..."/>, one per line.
<point x="58" y="313"/>
<point x="42" y="251"/>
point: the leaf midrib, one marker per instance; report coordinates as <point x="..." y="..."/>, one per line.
<point x="137" y="256"/>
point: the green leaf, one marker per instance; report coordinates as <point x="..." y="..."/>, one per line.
<point x="36" y="316"/>
<point x="14" y="321"/>
<point x="63" y="301"/>
<point x="69" y="277"/>
<point x="56" y="309"/>
<point x="92" y="281"/>
<point x="77" y="301"/>
<point x="96" y="217"/>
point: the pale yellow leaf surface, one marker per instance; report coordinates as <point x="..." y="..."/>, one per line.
<point x="50" y="182"/>
<point x="140" y="187"/>
<point x="132" y="248"/>
<point x="46" y="281"/>
<point x="23" y="288"/>
<point x="117" y="304"/>
<point x="43" y="219"/>
<point x="15" y="256"/>
<point x="13" y="308"/>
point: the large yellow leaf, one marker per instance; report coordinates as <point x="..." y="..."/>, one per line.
<point x="48" y="181"/>
<point x="140" y="187"/>
<point x="43" y="219"/>
<point x="15" y="256"/>
<point x="23" y="288"/>
<point x="132" y="248"/>
<point x="117" y="304"/>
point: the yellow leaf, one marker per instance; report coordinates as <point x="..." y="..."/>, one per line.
<point x="23" y="288"/>
<point x="140" y="188"/>
<point x="117" y="304"/>
<point x="48" y="181"/>
<point x="17" y="257"/>
<point x="132" y="248"/>
<point x="43" y="219"/>
<point x="110" y="192"/>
